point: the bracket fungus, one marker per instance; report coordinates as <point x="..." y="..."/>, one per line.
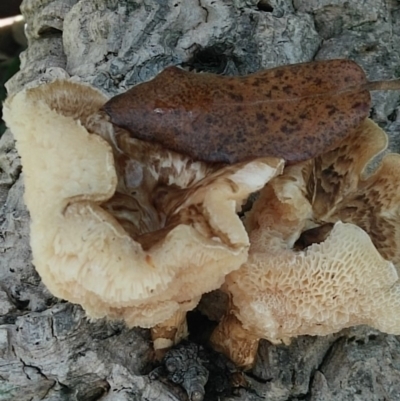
<point x="134" y="213"/>
<point x="344" y="273"/>
<point x="125" y="228"/>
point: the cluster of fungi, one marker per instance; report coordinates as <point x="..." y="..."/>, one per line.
<point x="135" y="202"/>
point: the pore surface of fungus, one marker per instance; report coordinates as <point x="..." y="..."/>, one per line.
<point x="307" y="271"/>
<point x="126" y="229"/>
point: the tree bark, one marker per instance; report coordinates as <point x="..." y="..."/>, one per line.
<point x="49" y="349"/>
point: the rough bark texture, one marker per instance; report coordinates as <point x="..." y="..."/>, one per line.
<point x="49" y="349"/>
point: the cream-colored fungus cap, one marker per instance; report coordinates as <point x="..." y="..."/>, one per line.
<point x="304" y="277"/>
<point x="340" y="282"/>
<point x="127" y="230"/>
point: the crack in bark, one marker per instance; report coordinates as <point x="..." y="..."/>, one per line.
<point x="36" y="368"/>
<point x="205" y="9"/>
<point x="308" y="394"/>
<point x="49" y="389"/>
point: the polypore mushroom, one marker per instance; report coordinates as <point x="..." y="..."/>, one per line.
<point x="347" y="278"/>
<point x="342" y="188"/>
<point x="125" y="228"/>
<point x="294" y="112"/>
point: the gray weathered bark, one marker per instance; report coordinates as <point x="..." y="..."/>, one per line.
<point x="49" y="350"/>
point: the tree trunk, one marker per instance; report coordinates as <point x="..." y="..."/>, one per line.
<point x="49" y="349"/>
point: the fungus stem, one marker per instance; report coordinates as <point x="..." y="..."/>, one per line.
<point x="169" y="333"/>
<point x="233" y="340"/>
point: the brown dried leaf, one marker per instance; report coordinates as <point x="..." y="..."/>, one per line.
<point x="295" y="112"/>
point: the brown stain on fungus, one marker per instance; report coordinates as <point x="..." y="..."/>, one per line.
<point x="294" y="112"/>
